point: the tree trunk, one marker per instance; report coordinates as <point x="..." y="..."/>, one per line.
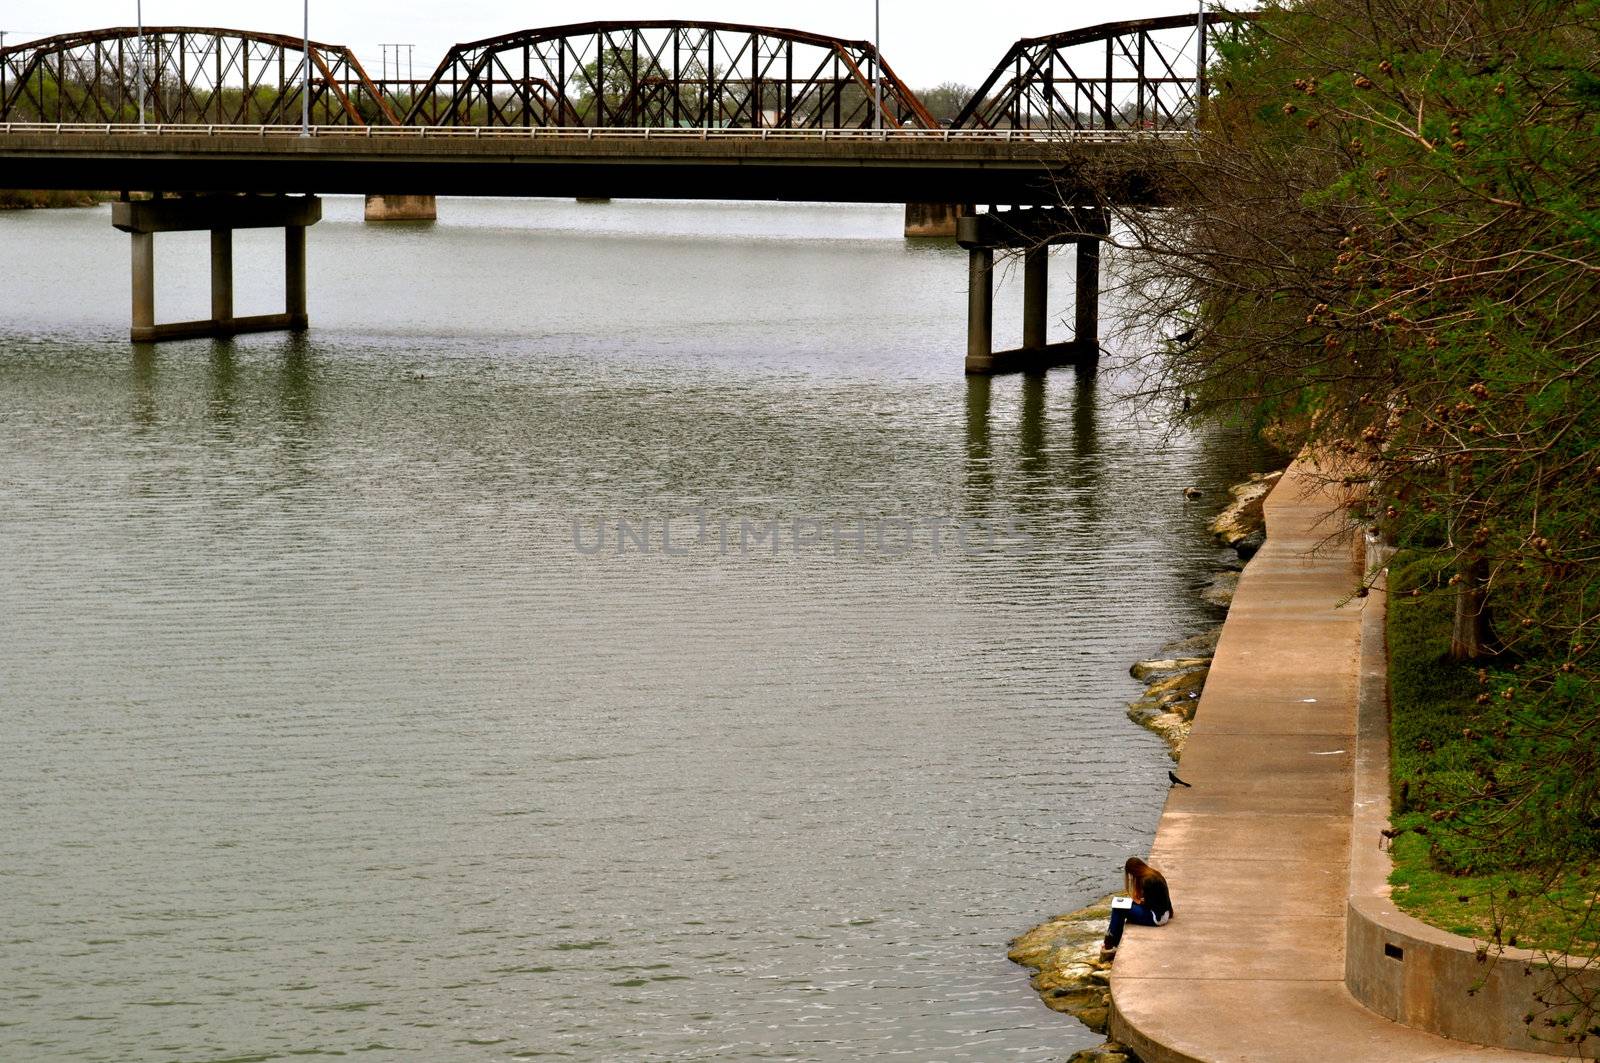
<point x="1472" y="635"/>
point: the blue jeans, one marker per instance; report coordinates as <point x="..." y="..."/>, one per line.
<point x="1138" y="915"/>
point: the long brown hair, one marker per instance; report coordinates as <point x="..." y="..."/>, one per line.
<point x="1137" y="875"/>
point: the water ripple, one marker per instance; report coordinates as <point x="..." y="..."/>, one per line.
<point x="317" y="735"/>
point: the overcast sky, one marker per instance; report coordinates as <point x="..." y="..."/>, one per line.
<point x="926" y="41"/>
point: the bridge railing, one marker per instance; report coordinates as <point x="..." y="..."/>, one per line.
<point x="1007" y="135"/>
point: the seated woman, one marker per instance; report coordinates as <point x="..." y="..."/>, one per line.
<point x="1152" y="904"/>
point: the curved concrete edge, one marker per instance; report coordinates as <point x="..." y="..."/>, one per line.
<point x="1263" y="845"/>
<point x="1126" y="1032"/>
<point x="1433" y="980"/>
<point x="1404" y="969"/>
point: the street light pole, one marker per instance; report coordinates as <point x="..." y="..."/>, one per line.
<point x="305" y="89"/>
<point x="138" y="57"/>
<point x="877" y="64"/>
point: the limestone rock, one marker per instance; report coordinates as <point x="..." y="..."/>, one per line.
<point x="1244" y="514"/>
<point x="1171" y="725"/>
<point x="1185" y="684"/>
<point x="1144" y="670"/>
<point x="1110" y="1052"/>
<point x="1065" y="940"/>
<point x="1065" y="954"/>
<point x="1222" y="589"/>
<point x="1201" y="645"/>
<point x="1251" y="544"/>
<point x="1168" y="705"/>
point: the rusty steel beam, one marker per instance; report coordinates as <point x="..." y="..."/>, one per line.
<point x="665" y="73"/>
<point x="1117" y="75"/>
<point x="192" y="74"/>
<point x="652" y="74"/>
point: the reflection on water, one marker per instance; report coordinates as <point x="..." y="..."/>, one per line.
<point x="318" y="735"/>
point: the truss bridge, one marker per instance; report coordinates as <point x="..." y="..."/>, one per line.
<point x="230" y="128"/>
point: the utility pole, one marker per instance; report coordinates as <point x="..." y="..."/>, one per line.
<point x="877" y="64"/>
<point x="305" y="91"/>
<point x="138" y="57"/>
<point x="1199" y="61"/>
<point x="402" y="71"/>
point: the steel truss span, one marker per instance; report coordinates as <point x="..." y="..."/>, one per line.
<point x="1120" y="75"/>
<point x="190" y="74"/>
<point x="1140" y="75"/>
<point x="665" y="74"/>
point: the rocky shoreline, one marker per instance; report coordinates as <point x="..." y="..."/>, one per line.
<point x="1174" y="681"/>
<point x="1065" y="951"/>
<point x="1070" y="976"/>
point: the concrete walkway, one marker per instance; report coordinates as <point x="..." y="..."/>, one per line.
<point x="1258" y="852"/>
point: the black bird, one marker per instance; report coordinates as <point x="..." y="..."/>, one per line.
<point x="1186" y="336"/>
<point x="1173" y="780"/>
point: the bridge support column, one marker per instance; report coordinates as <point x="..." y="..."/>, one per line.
<point x="980" y="310"/>
<point x="144" y="282"/>
<point x="221" y="275"/>
<point x="220" y="215"/>
<point x="1035" y="297"/>
<point x="934" y="219"/>
<point x="1088" y="301"/>
<point x="294" y="277"/>
<point x="1033" y="231"/>
<point x="402" y="208"/>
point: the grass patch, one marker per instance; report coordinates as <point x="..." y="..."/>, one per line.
<point x="1529" y="911"/>
<point x="1498" y="836"/>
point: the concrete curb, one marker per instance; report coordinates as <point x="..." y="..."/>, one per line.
<point x="1404" y="969"/>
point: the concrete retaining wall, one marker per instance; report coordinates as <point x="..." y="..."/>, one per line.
<point x="1416" y="974"/>
<point x="1424" y="977"/>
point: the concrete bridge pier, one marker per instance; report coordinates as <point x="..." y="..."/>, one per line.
<point x="220" y="215"/>
<point x="980" y="306"/>
<point x="221" y="275"/>
<point x="1033" y="231"/>
<point x="1035" y="297"/>
<point x="935" y="219"/>
<point x="401" y="208"/>
<point x="1087" y="332"/>
<point x="294" y="277"/>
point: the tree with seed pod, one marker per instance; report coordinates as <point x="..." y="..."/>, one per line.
<point x="1385" y="244"/>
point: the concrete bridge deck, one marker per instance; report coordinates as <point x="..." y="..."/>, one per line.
<point x="1012" y="167"/>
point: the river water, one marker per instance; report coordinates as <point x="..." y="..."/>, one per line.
<point x="321" y="731"/>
